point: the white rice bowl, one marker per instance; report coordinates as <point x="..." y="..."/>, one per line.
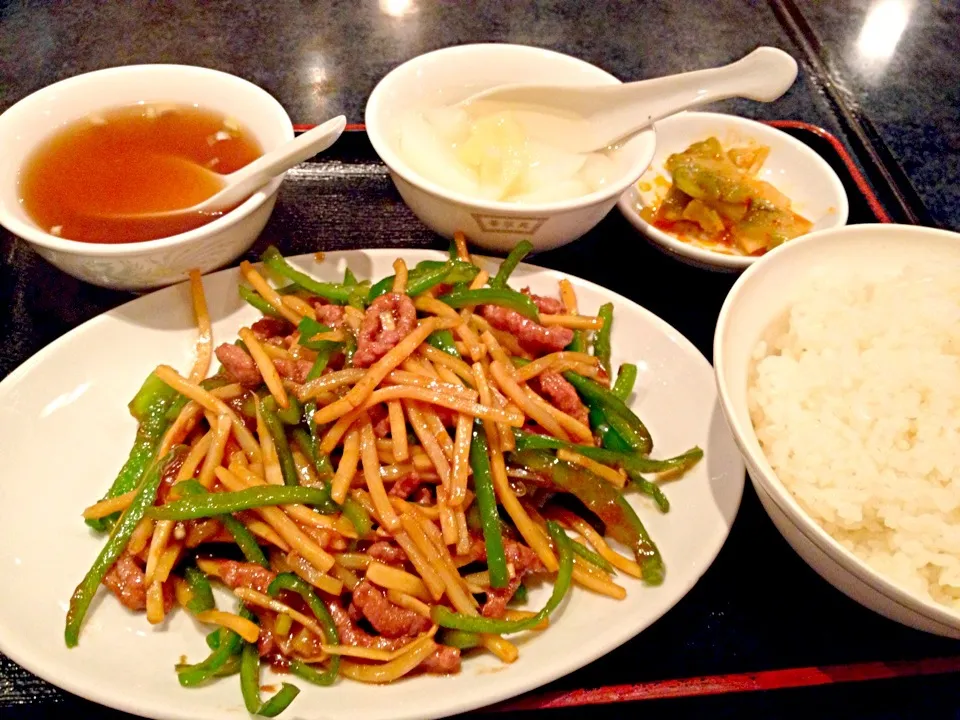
<point x="855" y="399"/>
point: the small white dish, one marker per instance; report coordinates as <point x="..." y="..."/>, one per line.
<point x="76" y="390"/>
<point x="154" y="263"/>
<point x="445" y="77"/>
<point x="807" y="179"/>
<point x="758" y="299"/>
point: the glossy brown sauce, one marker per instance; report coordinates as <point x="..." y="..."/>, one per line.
<point x="130" y="160"/>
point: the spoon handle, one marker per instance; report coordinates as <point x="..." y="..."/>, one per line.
<point x="763" y="75"/>
<point x="245" y="181"/>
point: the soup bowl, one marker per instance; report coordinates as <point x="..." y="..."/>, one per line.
<point x="152" y="263"/>
<point x="445" y="77"/>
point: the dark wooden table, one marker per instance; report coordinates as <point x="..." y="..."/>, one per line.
<point x="877" y="75"/>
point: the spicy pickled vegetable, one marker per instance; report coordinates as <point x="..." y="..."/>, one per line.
<point x="718" y="202"/>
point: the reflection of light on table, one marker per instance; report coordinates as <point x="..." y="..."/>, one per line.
<point x="315" y="74"/>
<point x="397" y="8"/>
<point x="885" y="22"/>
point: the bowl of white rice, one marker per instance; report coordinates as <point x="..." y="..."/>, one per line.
<point x="837" y="359"/>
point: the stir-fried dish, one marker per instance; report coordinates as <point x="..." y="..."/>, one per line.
<point x="716" y="201"/>
<point x="377" y="473"/>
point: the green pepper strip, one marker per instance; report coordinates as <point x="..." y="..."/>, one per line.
<point x="487" y="502"/>
<point x="151" y="393"/>
<point x="443" y="340"/>
<point x="149" y="406"/>
<point x="114" y="547"/>
<point x="521" y="594"/>
<point x="354" y="512"/>
<point x="472" y="623"/>
<point x="626" y="379"/>
<point x="204" y="506"/>
<point x="630" y="462"/>
<point x="425" y="278"/>
<point x="504" y="297"/>
<point x="425" y="275"/>
<point x="608" y="436"/>
<point x="334" y="292"/>
<point x="621" y="418"/>
<point x="245" y="540"/>
<point x="462" y="272"/>
<point x="358" y="290"/>
<point x="579" y="342"/>
<point x="304" y="441"/>
<point x="292" y="414"/>
<point x="250" y="678"/>
<point x="319" y="365"/>
<point x="280" y="701"/>
<point x="460" y="639"/>
<point x="243" y="537"/>
<point x="213" y="640"/>
<point x="173" y="411"/>
<point x="253" y="298"/>
<point x="648" y="487"/>
<point x="519" y="252"/>
<point x="349" y="348"/>
<point x="637" y="442"/>
<point x="381" y="287"/>
<point x="250" y="686"/>
<point x="612" y="440"/>
<point x="601" y="341"/>
<point x="603" y="500"/>
<point x="358" y="517"/>
<point x="293" y="583"/>
<point x="591" y="557"/>
<point x="308" y="328"/>
<point x="310" y="674"/>
<point x="230" y="667"/>
<point x="325" y="348"/>
<point x="228" y="646"/>
<point x="200" y="589"/>
<point x="287" y="466"/>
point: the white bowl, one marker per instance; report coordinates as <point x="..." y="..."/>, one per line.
<point x="807" y="179"/>
<point x="142" y="265"/>
<point x="447" y="76"/>
<point x="760" y="297"/>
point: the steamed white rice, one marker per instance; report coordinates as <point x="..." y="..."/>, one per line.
<point x="856" y="402"/>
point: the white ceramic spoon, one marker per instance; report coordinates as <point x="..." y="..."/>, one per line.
<point x="590" y="118"/>
<point x="239" y="185"/>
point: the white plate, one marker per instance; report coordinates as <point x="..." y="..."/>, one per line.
<point x="67" y="431"/>
<point x="793" y="168"/>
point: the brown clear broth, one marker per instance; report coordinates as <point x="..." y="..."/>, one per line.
<point x="130" y="160"/>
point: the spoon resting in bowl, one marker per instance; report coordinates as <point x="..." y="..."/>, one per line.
<point x="241" y="184"/>
<point x="586" y="119"/>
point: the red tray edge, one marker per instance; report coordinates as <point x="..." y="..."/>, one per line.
<point x="871" y="197"/>
<point x="733" y="683"/>
<point x="858" y="178"/>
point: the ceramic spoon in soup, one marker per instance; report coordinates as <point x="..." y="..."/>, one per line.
<point x="586" y="119"/>
<point x="241" y="184"/>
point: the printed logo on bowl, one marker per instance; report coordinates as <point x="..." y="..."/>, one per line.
<point x="508" y="225"/>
